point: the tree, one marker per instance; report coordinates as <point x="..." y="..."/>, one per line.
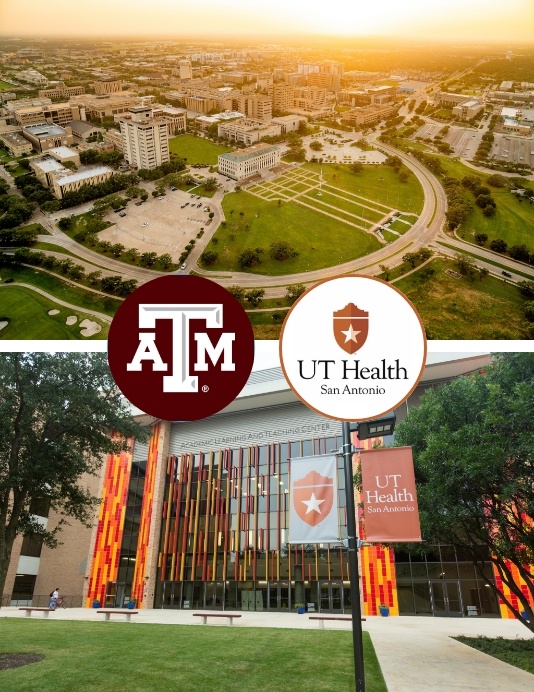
<point x="165" y="261"/>
<point x="250" y="257"/>
<point x="356" y="167"/>
<point x="294" y="291"/>
<point x="148" y="259"/>
<point x="480" y="238"/>
<point x="385" y="270"/>
<point x="237" y="291"/>
<point x="466" y="266"/>
<point x="519" y="252"/>
<point x="282" y="250"/>
<point x="472" y="445"/>
<point x="56" y="413"/>
<point x="499" y="245"/>
<point x="526" y="288"/>
<point x="209" y="257"/>
<point x="211" y="184"/>
<point x="316" y="146"/>
<point x="255" y="296"/>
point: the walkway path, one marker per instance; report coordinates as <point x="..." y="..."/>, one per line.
<point x="76" y="308"/>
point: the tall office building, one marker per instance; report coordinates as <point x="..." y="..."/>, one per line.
<point x="146" y="140"/>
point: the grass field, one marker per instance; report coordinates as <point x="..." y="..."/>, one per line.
<point x="513" y="221"/>
<point x="516" y="652"/>
<point x="458" y="309"/>
<point x="196" y="149"/>
<point x="60" y="289"/>
<point x="136" y="657"/>
<point x="320" y="240"/>
<point x="27" y="314"/>
<point x="5" y="86"/>
<point x="378" y="183"/>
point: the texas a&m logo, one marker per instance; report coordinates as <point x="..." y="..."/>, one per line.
<point x="181" y="347"/>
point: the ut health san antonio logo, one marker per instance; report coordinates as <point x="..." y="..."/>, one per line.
<point x="313" y="497"/>
<point x="351" y="326"/>
<point x="368" y="363"/>
<point x="180" y="348"/>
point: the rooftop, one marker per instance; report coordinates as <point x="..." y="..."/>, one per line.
<point x="44" y="130"/>
<point x="250" y="152"/>
<point x="64" y="152"/>
<point x="82" y="175"/>
<point x="48" y="164"/>
<point x="80" y="126"/>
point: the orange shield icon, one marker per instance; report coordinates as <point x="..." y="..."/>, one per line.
<point x="313" y="497"/>
<point x="351" y="326"/>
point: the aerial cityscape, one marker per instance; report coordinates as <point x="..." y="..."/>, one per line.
<point x="267" y="164"/>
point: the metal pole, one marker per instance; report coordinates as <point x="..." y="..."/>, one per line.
<point x="354" y="575"/>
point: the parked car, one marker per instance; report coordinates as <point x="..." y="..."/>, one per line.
<point x="10" y="281"/>
<point x="123" y="213"/>
<point x="183" y="266"/>
<point x="507" y="274"/>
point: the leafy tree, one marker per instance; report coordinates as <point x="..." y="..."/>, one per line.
<point x="316" y="146"/>
<point x="210" y="184"/>
<point x="110" y="283"/>
<point x="472" y="445"/>
<point x="519" y="252"/>
<point x="209" y="257"/>
<point x="499" y="245"/>
<point x="56" y="412"/>
<point x="385" y="270"/>
<point x="466" y="266"/>
<point x="282" y="250"/>
<point x="294" y="291"/>
<point x="529" y="311"/>
<point x="480" y="238"/>
<point x="117" y="250"/>
<point x="165" y="261"/>
<point x="94" y="277"/>
<point x="148" y="259"/>
<point x="489" y="210"/>
<point x="255" y="296"/>
<point x="526" y="288"/>
<point x="237" y="291"/>
<point x="250" y="257"/>
<point x="356" y="167"/>
<point x="65" y="224"/>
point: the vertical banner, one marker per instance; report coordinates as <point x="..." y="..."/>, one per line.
<point x="313" y="500"/>
<point x="389" y="496"/>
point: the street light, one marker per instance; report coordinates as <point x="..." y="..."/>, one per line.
<point x="366" y="430"/>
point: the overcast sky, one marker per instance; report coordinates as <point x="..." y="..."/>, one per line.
<point x="503" y="20"/>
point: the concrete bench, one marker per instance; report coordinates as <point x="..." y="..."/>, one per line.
<point x="204" y="621"/>
<point x="44" y="611"/>
<point x="331" y="617"/>
<point x="113" y="611"/>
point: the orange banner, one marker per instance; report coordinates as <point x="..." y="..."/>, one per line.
<point x="389" y="496"/>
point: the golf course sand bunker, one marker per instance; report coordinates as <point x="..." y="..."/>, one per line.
<point x="3" y="324"/>
<point x="71" y="319"/>
<point x="89" y="328"/>
<point x="53" y="312"/>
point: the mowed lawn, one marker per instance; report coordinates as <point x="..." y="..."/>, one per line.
<point x="196" y="149"/>
<point x="134" y="657"/>
<point x="28" y="318"/>
<point x="379" y="183"/>
<point x="459" y="309"/>
<point x="513" y="221"/>
<point x="320" y="240"/>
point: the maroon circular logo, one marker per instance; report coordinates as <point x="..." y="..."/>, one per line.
<point x="180" y="348"/>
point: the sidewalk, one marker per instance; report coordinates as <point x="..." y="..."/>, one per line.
<point x="415" y="653"/>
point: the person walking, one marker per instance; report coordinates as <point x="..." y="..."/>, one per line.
<point x="53" y="598"/>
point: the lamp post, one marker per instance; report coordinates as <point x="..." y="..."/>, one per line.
<point x="368" y="429"/>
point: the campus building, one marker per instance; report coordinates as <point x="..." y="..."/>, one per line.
<point x="248" y="131"/>
<point x="247" y="162"/>
<point x="145" y="138"/>
<point x="198" y="518"/>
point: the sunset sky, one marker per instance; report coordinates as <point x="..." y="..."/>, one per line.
<point x="502" y="20"/>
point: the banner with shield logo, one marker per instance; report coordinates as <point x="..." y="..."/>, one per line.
<point x="313" y="497"/>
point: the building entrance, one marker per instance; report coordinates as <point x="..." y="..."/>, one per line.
<point x="446" y="598"/>
<point x="331" y="597"/>
<point x="280" y="596"/>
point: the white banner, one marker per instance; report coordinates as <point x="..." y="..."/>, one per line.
<point x="313" y="514"/>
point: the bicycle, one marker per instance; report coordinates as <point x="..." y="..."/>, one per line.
<point x="60" y="603"/>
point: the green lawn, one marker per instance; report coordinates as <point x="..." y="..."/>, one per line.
<point x="458" y="309"/>
<point x="320" y="240"/>
<point x="5" y="86"/>
<point x="27" y="314"/>
<point x="516" y="652"/>
<point x="62" y="290"/>
<point x="35" y="227"/>
<point x="196" y="149"/>
<point x="346" y="204"/>
<point x="378" y="183"/>
<point x="117" y="656"/>
<point x="513" y="221"/>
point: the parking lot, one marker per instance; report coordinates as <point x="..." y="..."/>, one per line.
<point x="513" y="148"/>
<point x="464" y="141"/>
<point x="163" y="225"/>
